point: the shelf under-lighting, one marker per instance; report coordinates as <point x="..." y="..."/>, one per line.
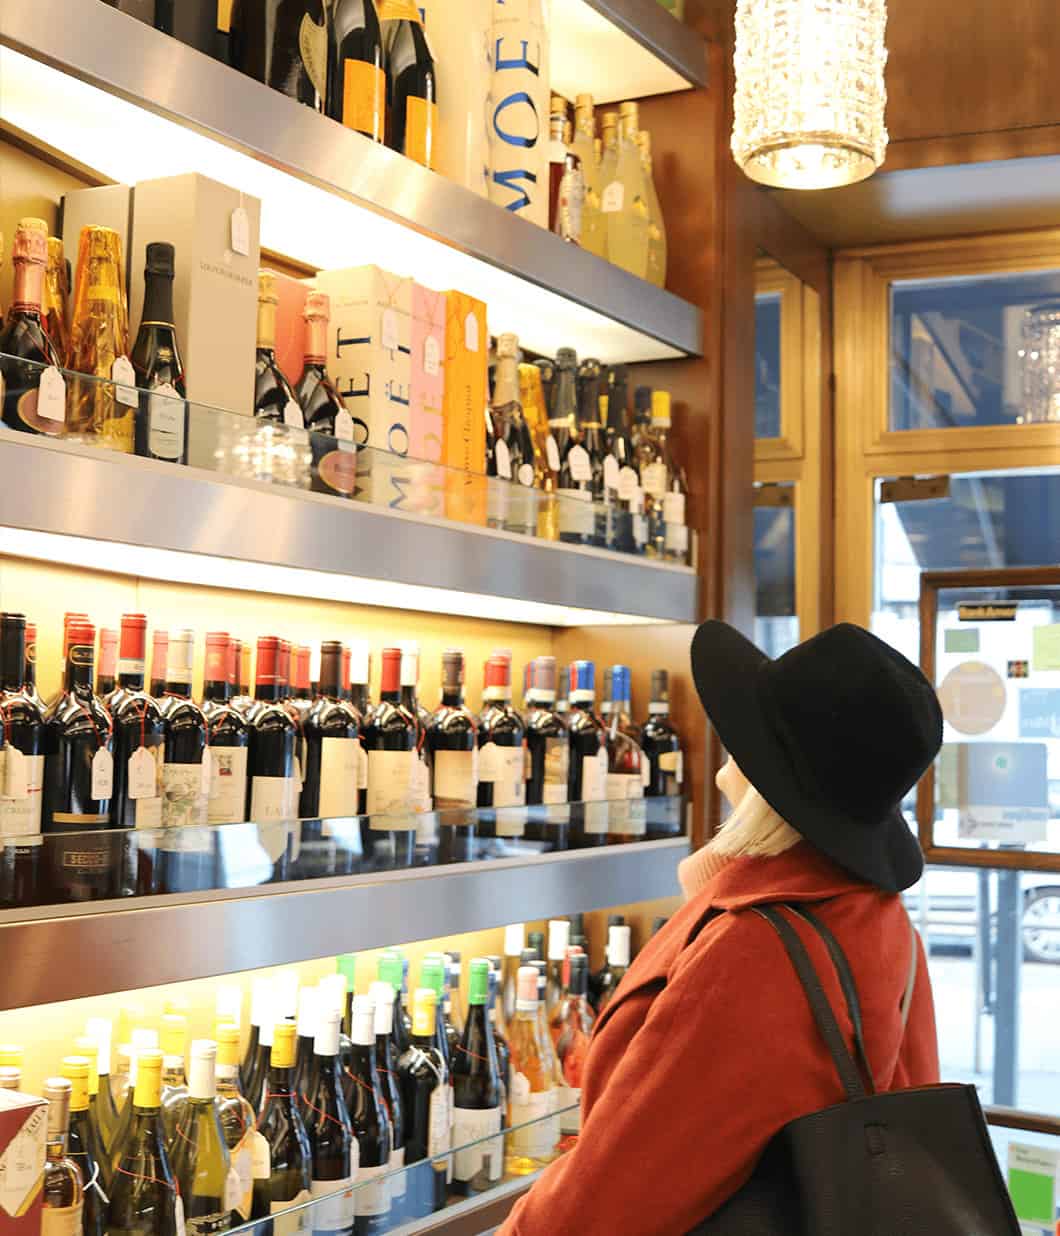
<point x="132" y="104"/>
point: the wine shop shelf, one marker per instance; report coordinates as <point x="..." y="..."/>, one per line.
<point x="94" y="948"/>
<point x="129" y="103"/>
<point x="85" y="505"/>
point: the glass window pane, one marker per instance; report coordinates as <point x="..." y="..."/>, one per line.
<point x="767" y="365"/>
<point x="776" y="623"/>
<point x="955" y="348"/>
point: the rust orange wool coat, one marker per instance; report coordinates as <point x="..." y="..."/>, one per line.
<point x="708" y="1050"/>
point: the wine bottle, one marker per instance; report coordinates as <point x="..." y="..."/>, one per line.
<point x="548" y="1049"/>
<point x="502" y="754"/>
<point x="392" y="970"/>
<point x="627" y="766"/>
<point x="514" y="940"/>
<point x="558" y="942"/>
<point x="333" y="1147"/>
<point x="173" y="1040"/>
<point x="31" y="665"/>
<point x="566" y="180"/>
<point x="384" y="996"/>
<point x="504" y="1056"/>
<point x="623" y="198"/>
<point x="668" y="531"/>
<point x="86" y="1048"/>
<point x="356" y="673"/>
<point x="392" y="741"/>
<point x="607" y="981"/>
<point x="202" y="1165"/>
<point x="593" y="231"/>
<point x="274" y="397"/>
<point x="272" y="783"/>
<point x="334" y="453"/>
<point x="101" y="412"/>
<point x="282" y="45"/>
<point x="79" y="781"/>
<point x="535" y="412"/>
<point x="356" y="87"/>
<point x="530" y="1142"/>
<point x="307" y="1023"/>
<point x="144" y="1199"/>
<point x="572" y="1032"/>
<point x="371" y="1124"/>
<point x="83" y="1148"/>
<point x="567" y="457"/>
<point x="548" y="758"/>
<point x="141" y="1039"/>
<point x="588" y="758"/>
<point x="106" y="661"/>
<point x="25" y="346"/>
<point x="411" y="89"/>
<point x="454" y="1014"/>
<point x="656" y="272"/>
<point x="425" y="1092"/>
<point x="254" y="1060"/>
<point x="245" y="1144"/>
<point x="478" y="1093"/>
<point x="332" y="742"/>
<point x="62" y="1186"/>
<point x="22" y="726"/>
<point x="281" y="1124"/>
<point x="515" y="507"/>
<point x="227" y="733"/>
<point x="535" y="944"/>
<point x="54" y="303"/>
<point x="432" y="974"/>
<point x="103" y="1108"/>
<point x="159" y="654"/>
<point x="666" y="765"/>
<point x="452" y="745"/>
<point x="162" y="424"/>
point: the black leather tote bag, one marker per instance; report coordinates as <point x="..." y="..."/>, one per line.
<point x="905" y="1163"/>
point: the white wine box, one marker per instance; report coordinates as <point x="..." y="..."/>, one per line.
<point x="370" y="362"/>
<point x="214" y="230"/>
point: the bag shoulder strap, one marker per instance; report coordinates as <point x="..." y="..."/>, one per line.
<point x="822" y="1011"/>
<point x="914" y="961"/>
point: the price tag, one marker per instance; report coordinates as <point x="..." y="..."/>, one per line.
<point x="645" y="771"/>
<point x="611" y="471"/>
<point x="680" y="771"/>
<point x="51" y="395"/>
<point x="16" y="777"/>
<point x="471" y="333"/>
<point x="102" y="775"/>
<point x="124" y="377"/>
<point x="503" y="459"/>
<point x="581" y="468"/>
<point x="143" y="774"/>
<point x="601" y="760"/>
<point x="292" y="415"/>
<point x="178" y="1217"/>
<point x="207" y="771"/>
<point x="653" y="479"/>
<point x="613" y="198"/>
<point x="233" y="1190"/>
<point x="344" y="426"/>
<point x="627" y="484"/>
<point x="526" y="474"/>
<point x="674" y="507"/>
<point x="432" y="357"/>
<point x="552" y="453"/>
<point x="240" y="232"/>
<point x="390" y="330"/>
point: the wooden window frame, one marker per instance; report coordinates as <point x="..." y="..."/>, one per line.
<point x="772" y="279"/>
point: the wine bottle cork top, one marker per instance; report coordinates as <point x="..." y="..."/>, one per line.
<point x="31" y="242"/>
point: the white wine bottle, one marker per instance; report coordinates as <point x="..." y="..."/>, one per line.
<point x="656" y="224"/>
<point x="202" y="1165"/>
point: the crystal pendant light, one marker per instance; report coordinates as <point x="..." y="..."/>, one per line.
<point x="810" y="94"/>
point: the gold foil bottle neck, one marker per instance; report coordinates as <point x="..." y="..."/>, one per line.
<point x="629" y="109"/>
<point x="583" y="100"/>
<point x="31" y="242"/>
<point x="267" y="287"/>
<point x="55" y="251"/>
<point x="644" y="142"/>
<point x="102" y="242"/>
<point x="558" y="104"/>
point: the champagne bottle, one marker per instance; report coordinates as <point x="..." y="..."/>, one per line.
<point x="334" y="469"/>
<point x="280" y="1123"/>
<point x="83" y="1146"/>
<point x="370" y="1122"/>
<point x="656" y="224"/>
<point x="425" y="1091"/>
<point x="274" y="397"/>
<point x="356" y="85"/>
<point x="535" y="412"/>
<point x="162" y="423"/>
<point x="530" y="1104"/>
<point x="412" y="95"/>
<point x="202" y="1165"/>
<point x="477" y="1092"/>
<point x="283" y="45"/>
<point x="54" y="305"/>
<point x="593" y="232"/>
<point x="25" y="345"/>
<point x="622" y="199"/>
<point x="62" y="1187"/>
<point x="248" y="1151"/>
<point x="101" y="412"/>
<point x="332" y="1145"/>
<point x="144" y="1199"/>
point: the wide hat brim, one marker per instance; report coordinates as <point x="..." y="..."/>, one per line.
<point x="726" y="667"/>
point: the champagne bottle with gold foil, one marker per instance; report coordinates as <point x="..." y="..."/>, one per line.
<point x="56" y="295"/>
<point x="532" y="394"/>
<point x="593" y="233"/>
<point x="101" y="411"/>
<point x="412" y="95"/>
<point x="656" y="224"/>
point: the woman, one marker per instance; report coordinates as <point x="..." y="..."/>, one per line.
<point x="709" y="1048"/>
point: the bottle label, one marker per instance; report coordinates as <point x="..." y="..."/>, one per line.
<point x="398" y="1183"/>
<point x="313" y="46"/>
<point x="273" y="799"/>
<point x="532" y="1110"/>
<point x="576" y="514"/>
<point x="228" y="785"/>
<point x="653" y="479"/>
<point x="502" y="458"/>
<point x="371" y="1196"/>
<point x="673" y="507"/>
<point x="21" y="801"/>
<point x="432" y="357"/>
<point x="557" y="771"/>
<point x="505" y="769"/>
<point x="148" y="812"/>
<point x="183" y="802"/>
<point x="61" y="1220"/>
<point x="455" y="779"/>
<point x="628" y="485"/>
<point x="594" y="777"/>
<point x="676" y="540"/>
<point x="260" y="1156"/>
<point x="581" y="468"/>
<point x="484" y="1158"/>
<point x="243" y="1169"/>
<point x="673" y="762"/>
<point x="439" y="1121"/>
<point x="393" y="783"/>
<point x="102" y="775"/>
<point x="142" y="773"/>
<point x="613" y="198"/>
<point x="611" y="472"/>
<point x="338" y="777"/>
<point x="239" y="231"/>
<point x="364" y="98"/>
<point x="552" y="453"/>
<point x="165" y="433"/>
<point x="337" y="1213"/>
<point x="290" y="1222"/>
<point x="625" y="795"/>
<point x="570" y="1113"/>
<point x="421" y="125"/>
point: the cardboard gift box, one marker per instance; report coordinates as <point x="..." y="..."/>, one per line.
<point x="466" y="396"/>
<point x="427" y="398"/>
<point x="23" y="1148"/>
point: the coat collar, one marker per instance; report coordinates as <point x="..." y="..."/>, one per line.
<point x="802" y="873"/>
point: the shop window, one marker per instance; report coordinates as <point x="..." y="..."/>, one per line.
<point x="767" y="364"/>
<point x="776" y="621"/>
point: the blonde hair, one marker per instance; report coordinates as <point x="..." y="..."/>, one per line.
<point x="754" y="828"/>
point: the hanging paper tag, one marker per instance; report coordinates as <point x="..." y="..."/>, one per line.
<point x="124" y="378"/>
<point x="526" y="474"/>
<point x="627" y="484"/>
<point x="581" y="468"/>
<point x="207" y="771"/>
<point x="503" y="459"/>
<point x="613" y="197"/>
<point x="51" y="395"/>
<point x="344" y="426"/>
<point x="432" y="357"/>
<point x="611" y="471"/>
<point x="552" y="453"/>
<point x="102" y="775"/>
<point x="645" y="771"/>
<point x="240" y="232"/>
<point x="471" y="333"/>
<point x="178" y="1216"/>
<point x="143" y="774"/>
<point x="16" y="778"/>
<point x="292" y="415"/>
<point x="390" y="330"/>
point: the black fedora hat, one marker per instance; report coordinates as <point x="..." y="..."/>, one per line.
<point x="832" y="734"/>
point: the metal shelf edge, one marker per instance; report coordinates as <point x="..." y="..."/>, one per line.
<point x="79" y="955"/>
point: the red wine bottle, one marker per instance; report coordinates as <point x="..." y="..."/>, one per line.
<point x="371" y="1123"/>
<point x="334" y="469"/>
<point x="139" y="739"/>
<point x="107" y="663"/>
<point x="24" y="344"/>
<point x="22" y="728"/>
<point x="392" y="740"/>
<point x="588" y="759"/>
<point x="31" y="664"/>
<point x="82" y="855"/>
<point x="501" y="755"/>
<point x="548" y="764"/>
<point x="452" y="748"/>
<point x="272" y="784"/>
<point x="162" y="423"/>
<point x="356" y="86"/>
<point x="228" y="733"/>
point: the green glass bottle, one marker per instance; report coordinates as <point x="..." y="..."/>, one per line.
<point x="425" y="1091"/>
<point x="280" y="1122"/>
<point x="201" y="1162"/>
<point x="330" y="1134"/>
<point x="478" y="1094"/>
<point x="143" y="1196"/>
<point x="102" y="1108"/>
<point x="82" y="1145"/>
